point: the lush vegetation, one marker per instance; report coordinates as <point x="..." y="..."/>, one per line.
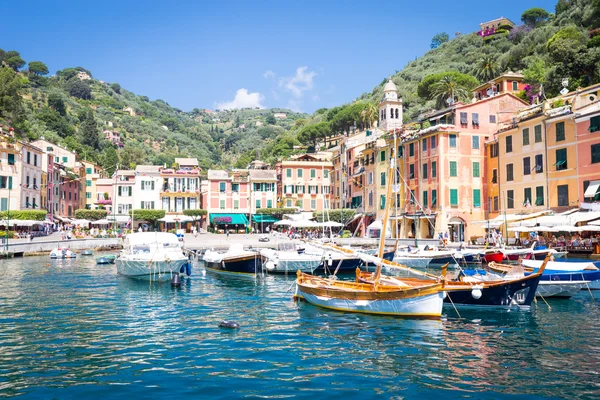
<point x="341" y="215"/>
<point x="90" y="215"/>
<point x="150" y="216"/>
<point x="30" y="215"/>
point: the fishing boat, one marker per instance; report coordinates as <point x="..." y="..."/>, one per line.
<point x="111" y="257"/>
<point x="492" y="255"/>
<point x="154" y="256"/>
<point x="541" y="251"/>
<point x="515" y="254"/>
<point x="288" y="259"/>
<point x="87" y="253"/>
<point x="234" y="260"/>
<point x="62" y="252"/>
<point x="102" y="260"/>
<point x="340" y="259"/>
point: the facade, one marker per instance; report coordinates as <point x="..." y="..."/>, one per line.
<point x="31" y="177"/>
<point x="104" y="194"/>
<point x="588" y="153"/>
<point x="93" y="172"/>
<point x="490" y="27"/>
<point x="263" y="189"/>
<point x="305" y="182"/>
<point x="114" y="137"/>
<point x="390" y="108"/>
<point x="10" y="169"/>
<point x="147" y="188"/>
<point x="180" y="187"/>
<point x="123" y="198"/>
<point x="227" y="196"/>
<point x="510" y="82"/>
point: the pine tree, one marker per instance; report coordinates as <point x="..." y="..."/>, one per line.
<point x="109" y="160"/>
<point x="89" y="134"/>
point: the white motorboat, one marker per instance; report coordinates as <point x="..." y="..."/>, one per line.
<point x="563" y="289"/>
<point x="287" y="259"/>
<point x="154" y="256"/>
<point x="62" y="252"/>
<point x="411" y="260"/>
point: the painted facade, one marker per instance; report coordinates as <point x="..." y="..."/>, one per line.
<point x="305" y="182"/>
<point x="31" y="177"/>
<point x="147" y="188"/>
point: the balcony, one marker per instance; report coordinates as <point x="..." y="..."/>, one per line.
<point x="104" y="202"/>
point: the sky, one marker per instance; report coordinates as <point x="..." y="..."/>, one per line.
<point x="301" y="55"/>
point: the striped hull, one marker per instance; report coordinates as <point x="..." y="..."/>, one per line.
<point x="249" y="264"/>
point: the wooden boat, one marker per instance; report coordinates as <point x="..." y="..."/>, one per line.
<point x="492" y="255"/>
<point x="235" y="260"/>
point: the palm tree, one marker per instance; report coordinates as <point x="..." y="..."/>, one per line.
<point x="486" y="68"/>
<point x="448" y="88"/>
<point x="371" y="114"/>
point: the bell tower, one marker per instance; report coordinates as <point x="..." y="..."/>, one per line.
<point x="390" y="108"/>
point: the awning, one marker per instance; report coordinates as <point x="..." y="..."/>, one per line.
<point x="102" y="222"/>
<point x="264" y="219"/>
<point x="228" y="219"/>
<point x="25" y="222"/>
<point x="592" y="190"/>
<point x="171" y="219"/>
<point x="81" y="222"/>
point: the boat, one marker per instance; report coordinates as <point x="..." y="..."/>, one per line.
<point x="62" y="252"/>
<point x="87" y="253"/>
<point x="287" y="258"/>
<point x="153" y="256"/>
<point x="102" y="260"/>
<point x="111" y="257"/>
<point x="492" y="255"/>
<point x="234" y="260"/>
<point x="336" y="258"/>
<point x="515" y="254"/>
<point x="541" y="251"/>
<point x="412" y="260"/>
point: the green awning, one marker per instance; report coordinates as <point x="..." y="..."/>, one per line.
<point x="264" y="219"/>
<point x="228" y="219"/>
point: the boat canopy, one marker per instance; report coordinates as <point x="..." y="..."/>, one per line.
<point x="152" y="238"/>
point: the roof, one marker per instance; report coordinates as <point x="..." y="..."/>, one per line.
<point x="217" y="174"/>
<point x="263" y="174"/>
<point x="125" y="172"/>
<point x="187" y="162"/>
<point x="390" y="86"/>
<point x="104" y="181"/>
<point x="155" y="169"/>
<point x="505" y="75"/>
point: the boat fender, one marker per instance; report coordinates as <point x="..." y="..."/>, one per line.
<point x="330" y="261"/>
<point x="188" y="268"/>
<point x="229" y="324"/>
<point x="270" y="265"/>
<point x="176" y="280"/>
<point x="444" y="295"/>
<point x="476" y="292"/>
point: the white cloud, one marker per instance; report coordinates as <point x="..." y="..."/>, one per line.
<point x="243" y="99"/>
<point x="300" y="83"/>
<point x="269" y="74"/>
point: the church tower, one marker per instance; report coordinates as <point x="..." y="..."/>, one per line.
<point x="390" y="108"/>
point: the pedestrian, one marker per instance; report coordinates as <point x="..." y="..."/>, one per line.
<point x="195" y="232"/>
<point x="227" y="233"/>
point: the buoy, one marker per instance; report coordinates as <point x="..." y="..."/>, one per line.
<point x="188" y="268"/>
<point x="476" y="293"/>
<point x="444" y="295"/>
<point x="270" y="265"/>
<point x="229" y="324"/>
<point x="176" y="280"/>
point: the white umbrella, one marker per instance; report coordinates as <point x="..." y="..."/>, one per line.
<point x="304" y="224"/>
<point x="102" y="222"/>
<point x="520" y="229"/>
<point x="590" y="228"/>
<point x="565" y="228"/>
<point x="81" y="222"/>
<point x="332" y="224"/>
<point x="283" y="222"/>
<point x="25" y="222"/>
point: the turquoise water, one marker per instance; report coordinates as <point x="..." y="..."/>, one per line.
<point x="71" y="329"/>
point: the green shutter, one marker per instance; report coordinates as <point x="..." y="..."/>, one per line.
<point x="434" y="169"/>
<point x="3" y="204"/>
<point x="299" y="173"/>
<point x="11" y="159"/>
<point x="525" y="136"/>
<point x="539" y="196"/>
<point x="288" y="172"/>
<point x="454" y="197"/>
<point x="560" y="131"/>
<point x="538" y="133"/>
<point x="382" y="202"/>
<point x="453" y="168"/>
<point x="425" y="198"/>
<point x="10" y="182"/>
<point x="477" y="198"/>
<point x="476" y="170"/>
<point x="382" y="155"/>
<point x="595" y="124"/>
<point x="433" y="197"/>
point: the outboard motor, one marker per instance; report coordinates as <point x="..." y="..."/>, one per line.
<point x="176" y="280"/>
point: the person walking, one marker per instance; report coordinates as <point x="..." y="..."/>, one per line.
<point x="227" y="233"/>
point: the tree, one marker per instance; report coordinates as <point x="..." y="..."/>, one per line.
<point x="371" y="114"/>
<point x="38" y="68"/>
<point x="90" y="215"/>
<point x="15" y="62"/>
<point x="116" y="87"/>
<point x="131" y="156"/>
<point x="468" y="82"/>
<point x="536" y="71"/>
<point x="276" y="212"/>
<point x="534" y="16"/>
<point x="311" y="134"/>
<point x="89" y="134"/>
<point x="486" y="68"/>
<point x="56" y="102"/>
<point x="30" y="215"/>
<point x="150" y="216"/>
<point x="342" y="215"/>
<point x="448" y="88"/>
<point x="271" y="119"/>
<point x="438" y="39"/>
<point x="80" y="89"/>
<point x="109" y="160"/>
<point x="11" y="102"/>
<point x="196" y="214"/>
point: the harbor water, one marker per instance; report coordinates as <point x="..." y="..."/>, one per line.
<point x="74" y="329"/>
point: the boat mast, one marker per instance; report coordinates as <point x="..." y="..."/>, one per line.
<point x="387" y="211"/>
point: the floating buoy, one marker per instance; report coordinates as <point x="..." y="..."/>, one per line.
<point x="176" y="280"/>
<point x="229" y="324"/>
<point x="476" y="293"/>
<point x="270" y="265"/>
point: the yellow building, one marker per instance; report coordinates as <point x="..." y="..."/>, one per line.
<point x="93" y="172"/>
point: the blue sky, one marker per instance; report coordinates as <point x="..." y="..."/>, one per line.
<point x="302" y="55"/>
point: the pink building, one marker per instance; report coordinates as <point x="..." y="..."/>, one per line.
<point x="114" y="137"/>
<point x="305" y="182"/>
<point x="227" y="199"/>
<point x="588" y="153"/>
<point x="510" y="82"/>
<point x="70" y="188"/>
<point x="104" y="194"/>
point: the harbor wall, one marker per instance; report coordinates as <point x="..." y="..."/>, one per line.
<point x="38" y="246"/>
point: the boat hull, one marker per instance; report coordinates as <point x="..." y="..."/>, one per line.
<point x="247" y="264"/>
<point x="560" y="289"/>
<point x="413" y="262"/>
<point x="517" y="256"/>
<point x="149" y="270"/>
<point x="519" y="292"/>
<point x="348" y="264"/>
<point x="493" y="257"/>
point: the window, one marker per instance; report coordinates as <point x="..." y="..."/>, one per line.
<point x="4" y="204"/>
<point x="526" y="165"/>
<point x="452" y="140"/>
<point x="235" y="187"/>
<point x="509" y="144"/>
<point x="222" y="187"/>
<point x="411" y="171"/>
<point x="477" y="198"/>
<point x="454" y="197"/>
<point x="595" y="124"/>
<point x="383" y="179"/>
<point x="561" y="159"/>
<point x="382" y="201"/>
<point x="35" y="160"/>
<point x="288" y="203"/>
<point x="400" y="151"/>
<point x="509" y="172"/>
<point x="496" y="203"/>
<point x="222" y="204"/>
<point x="433" y="197"/>
<point x="560" y="131"/>
<point x="269" y="203"/>
<point x="258" y="203"/>
<point x="147" y="205"/>
<point x="539" y="196"/>
<point x="57" y="159"/>
<point x="370" y="199"/>
<point x="370" y="178"/>
<point x="28" y="157"/>
<point x="88" y="183"/>
<point x="527" y="197"/>
<point x="288" y="172"/>
<point x="537" y="133"/>
<point x="525" y="136"/>
<point x="313" y="204"/>
<point x="434" y="169"/>
<point x="382" y="155"/>
<point x="453" y="171"/>
<point x="475" y="142"/>
<point x="515" y="86"/>
<point x="492" y="119"/>
<point x="300" y="189"/>
<point x="65" y="159"/>
<point x="88" y="170"/>
<point x="563" y="195"/>
<point x="464" y="118"/>
<point x="510" y="199"/>
<point x="425" y="198"/>
<point x="424" y="145"/>
<point x="432" y="141"/>
<point x="11" y="159"/>
<point x="411" y="149"/>
<point x="325" y="173"/>
<point x="494" y="176"/>
<point x="425" y="171"/>
<point x="595" y="149"/>
<point x="475" y="121"/>
<point x="494" y="150"/>
<point x="539" y="163"/>
<point x="476" y="173"/>
<point x="299" y="173"/>
<point x="594" y="196"/>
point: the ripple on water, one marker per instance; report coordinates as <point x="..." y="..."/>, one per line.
<point x="75" y="329"/>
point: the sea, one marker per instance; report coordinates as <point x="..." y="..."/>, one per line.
<point x="74" y="329"/>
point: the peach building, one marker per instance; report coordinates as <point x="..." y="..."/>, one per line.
<point x="305" y="182"/>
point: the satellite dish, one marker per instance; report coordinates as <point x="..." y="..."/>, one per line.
<point x="564" y="91"/>
<point x="490" y="92"/>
